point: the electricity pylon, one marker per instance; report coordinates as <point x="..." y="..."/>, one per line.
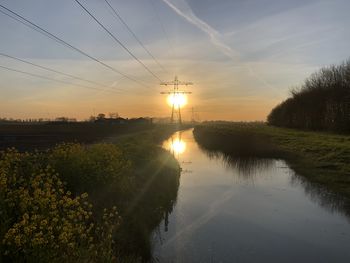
<point x="176" y="109"/>
<point x="193" y="120"/>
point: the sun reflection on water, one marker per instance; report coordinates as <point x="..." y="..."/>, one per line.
<point x="176" y="144"/>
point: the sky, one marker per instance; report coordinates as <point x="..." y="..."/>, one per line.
<point x="243" y="56"/>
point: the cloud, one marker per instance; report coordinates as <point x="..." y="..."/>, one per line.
<point x="184" y="10"/>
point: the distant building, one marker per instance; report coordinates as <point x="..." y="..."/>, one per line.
<point x="63" y="120"/>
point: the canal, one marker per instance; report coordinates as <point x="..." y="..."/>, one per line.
<point x="248" y="210"/>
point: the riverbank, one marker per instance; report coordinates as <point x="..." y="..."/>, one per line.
<point x="323" y="158"/>
<point x="78" y="203"/>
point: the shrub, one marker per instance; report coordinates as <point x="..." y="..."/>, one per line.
<point x="41" y="221"/>
<point x="86" y="169"/>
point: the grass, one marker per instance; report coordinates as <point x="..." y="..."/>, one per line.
<point x="86" y="203"/>
<point x="321" y="157"/>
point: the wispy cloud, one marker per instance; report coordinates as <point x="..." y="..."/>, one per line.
<point x="182" y="8"/>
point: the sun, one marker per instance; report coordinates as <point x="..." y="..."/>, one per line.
<point x="177" y="100"/>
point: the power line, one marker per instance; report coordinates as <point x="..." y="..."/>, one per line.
<point x="52" y="70"/>
<point x="46" y="33"/>
<point x="162" y="27"/>
<point x="48" y="78"/>
<point x="134" y="35"/>
<point x="117" y="40"/>
<point x="28" y="25"/>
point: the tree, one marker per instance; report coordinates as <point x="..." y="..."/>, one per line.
<point x="321" y="103"/>
<point x="101" y="116"/>
<point x="113" y="115"/>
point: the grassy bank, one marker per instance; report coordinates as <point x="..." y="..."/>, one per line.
<point x="323" y="158"/>
<point x="79" y="203"/>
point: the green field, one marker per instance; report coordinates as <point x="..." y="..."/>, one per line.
<point x="28" y="136"/>
<point x="321" y="157"/>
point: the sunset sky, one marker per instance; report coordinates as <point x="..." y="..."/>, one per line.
<point x="242" y="55"/>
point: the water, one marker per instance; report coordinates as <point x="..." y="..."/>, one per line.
<point x="230" y="210"/>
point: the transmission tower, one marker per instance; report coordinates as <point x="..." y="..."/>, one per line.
<point x="193" y="120"/>
<point x="175" y="92"/>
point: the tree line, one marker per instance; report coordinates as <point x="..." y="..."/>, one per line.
<point x="321" y="103"/>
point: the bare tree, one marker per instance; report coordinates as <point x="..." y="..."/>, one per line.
<point x="321" y="103"/>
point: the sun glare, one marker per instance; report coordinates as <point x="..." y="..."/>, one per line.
<point x="177" y="100"/>
<point x="178" y="146"/>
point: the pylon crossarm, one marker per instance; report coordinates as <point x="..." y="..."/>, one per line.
<point x="176" y="92"/>
<point x="176" y="82"/>
<point x="185" y="83"/>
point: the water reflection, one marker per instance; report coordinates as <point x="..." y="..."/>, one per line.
<point x="334" y="203"/>
<point x="247" y="167"/>
<point x="176" y="145"/>
<point x="251" y="168"/>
